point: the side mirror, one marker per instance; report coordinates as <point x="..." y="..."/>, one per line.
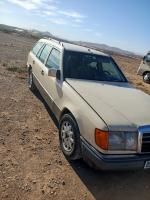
<point x="58" y="74"/>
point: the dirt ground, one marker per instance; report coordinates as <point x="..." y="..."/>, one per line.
<point x="32" y="166"/>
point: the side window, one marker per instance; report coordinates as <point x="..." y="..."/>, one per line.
<point x="37" y="47"/>
<point x="39" y="52"/>
<point x="53" y="60"/>
<point x="45" y="53"/>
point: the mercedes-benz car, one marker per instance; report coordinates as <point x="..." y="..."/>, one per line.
<point x="102" y="117"/>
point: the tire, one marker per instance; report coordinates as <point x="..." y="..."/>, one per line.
<point x="146" y="77"/>
<point x="31" y="84"/>
<point x="69" y="137"/>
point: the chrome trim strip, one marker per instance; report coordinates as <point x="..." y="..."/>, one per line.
<point x="142" y="130"/>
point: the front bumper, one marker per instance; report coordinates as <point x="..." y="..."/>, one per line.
<point x="112" y="162"/>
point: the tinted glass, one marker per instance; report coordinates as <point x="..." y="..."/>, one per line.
<point x="39" y="52"/>
<point x="45" y="53"/>
<point x="37" y="47"/>
<point x="54" y="59"/>
<point x="91" y="67"/>
<point x="148" y="57"/>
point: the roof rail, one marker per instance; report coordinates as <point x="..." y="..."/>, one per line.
<point x="71" y="42"/>
<point x="54" y="40"/>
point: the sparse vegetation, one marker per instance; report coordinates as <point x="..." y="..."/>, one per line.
<point x="14" y="68"/>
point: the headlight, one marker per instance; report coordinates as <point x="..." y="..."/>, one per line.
<point x="116" y="141"/>
<point x="122" y="141"/>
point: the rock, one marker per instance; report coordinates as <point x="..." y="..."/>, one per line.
<point x="34" y="181"/>
<point x="36" y="130"/>
<point x="60" y="162"/>
<point x="49" y="163"/>
<point x="43" y="191"/>
<point x="50" y="186"/>
<point x="49" y="141"/>
<point x="63" y="183"/>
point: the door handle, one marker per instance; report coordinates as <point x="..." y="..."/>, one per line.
<point x="33" y="61"/>
<point x="42" y="72"/>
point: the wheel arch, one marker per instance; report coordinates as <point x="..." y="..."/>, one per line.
<point x="70" y="111"/>
<point x="66" y="111"/>
<point x="145" y="72"/>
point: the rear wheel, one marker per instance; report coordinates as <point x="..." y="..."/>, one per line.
<point x="146" y="77"/>
<point x="69" y="137"/>
<point x="31" y="84"/>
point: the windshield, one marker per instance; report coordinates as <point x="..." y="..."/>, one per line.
<point x="89" y="66"/>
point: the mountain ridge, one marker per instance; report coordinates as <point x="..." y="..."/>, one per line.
<point x="40" y="34"/>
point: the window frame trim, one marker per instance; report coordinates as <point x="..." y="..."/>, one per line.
<point x="39" y="48"/>
<point x="44" y="63"/>
<point x="49" y="56"/>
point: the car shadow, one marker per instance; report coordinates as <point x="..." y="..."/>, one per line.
<point x="108" y="185"/>
<point x="51" y="114"/>
<point x="114" y="185"/>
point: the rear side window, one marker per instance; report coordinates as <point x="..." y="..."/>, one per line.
<point x="53" y="60"/>
<point x="37" y="47"/>
<point x="45" y="53"/>
<point x="39" y="52"/>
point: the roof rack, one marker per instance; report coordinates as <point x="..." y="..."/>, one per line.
<point x="54" y="40"/>
<point x="71" y="42"/>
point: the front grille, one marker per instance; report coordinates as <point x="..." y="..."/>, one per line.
<point x="146" y="143"/>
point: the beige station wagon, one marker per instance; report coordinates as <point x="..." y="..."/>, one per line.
<point x="144" y="69"/>
<point x="102" y="117"/>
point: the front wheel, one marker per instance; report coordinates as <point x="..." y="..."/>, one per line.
<point x="69" y="137"/>
<point x="146" y="77"/>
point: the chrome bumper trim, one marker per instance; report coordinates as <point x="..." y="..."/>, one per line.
<point x="141" y="131"/>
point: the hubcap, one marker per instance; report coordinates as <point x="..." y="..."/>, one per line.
<point x="67" y="136"/>
<point x="147" y="77"/>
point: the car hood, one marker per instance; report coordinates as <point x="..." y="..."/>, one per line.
<point x="121" y="106"/>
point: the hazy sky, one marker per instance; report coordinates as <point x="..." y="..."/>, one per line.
<point x="119" y="23"/>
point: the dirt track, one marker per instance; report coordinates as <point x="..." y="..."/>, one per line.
<point x="32" y="166"/>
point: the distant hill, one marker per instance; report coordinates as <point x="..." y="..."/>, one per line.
<point x="39" y="34"/>
<point x="107" y="49"/>
<point x="28" y="33"/>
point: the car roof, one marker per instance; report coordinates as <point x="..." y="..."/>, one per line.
<point x="79" y="48"/>
<point x="72" y="47"/>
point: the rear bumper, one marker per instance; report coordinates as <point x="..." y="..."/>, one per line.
<point x="112" y="162"/>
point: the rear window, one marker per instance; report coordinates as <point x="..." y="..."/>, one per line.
<point x="37" y="47"/>
<point x="45" y="53"/>
<point x="54" y="59"/>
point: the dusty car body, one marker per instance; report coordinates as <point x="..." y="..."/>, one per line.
<point x="100" y="115"/>
<point x="144" y="68"/>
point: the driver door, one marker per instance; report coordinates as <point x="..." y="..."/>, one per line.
<point x="52" y="85"/>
